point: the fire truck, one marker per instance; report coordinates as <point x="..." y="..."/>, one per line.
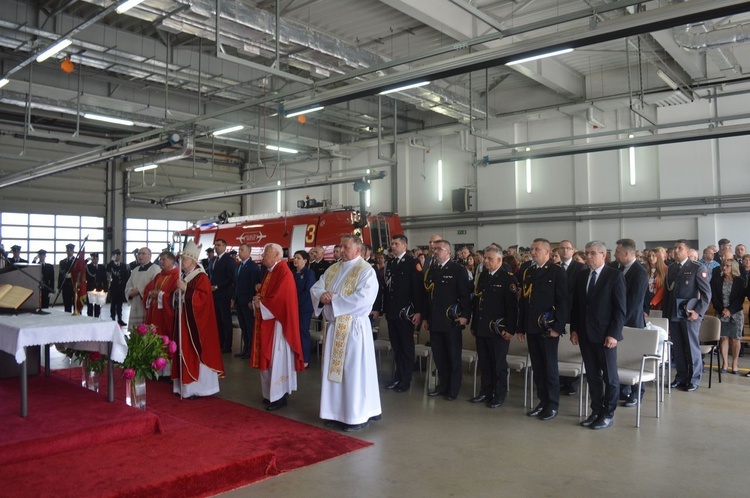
<point x="295" y="230"/>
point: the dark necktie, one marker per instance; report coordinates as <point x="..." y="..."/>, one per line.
<point x="592" y="283"/>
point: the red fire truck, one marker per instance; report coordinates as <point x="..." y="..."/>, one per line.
<point x="302" y="229"/>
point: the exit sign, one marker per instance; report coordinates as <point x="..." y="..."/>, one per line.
<point x="461" y="232"/>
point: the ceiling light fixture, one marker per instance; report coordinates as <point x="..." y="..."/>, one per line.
<point x="145" y="167"/>
<point x="109" y="119"/>
<point x="224" y="131"/>
<point x="666" y="79"/>
<point x="540" y="56"/>
<point x="4" y="82"/>
<point x="57" y="47"/>
<point x="305" y="111"/>
<point x="281" y="149"/>
<point x="405" y="87"/>
<point x="127" y="5"/>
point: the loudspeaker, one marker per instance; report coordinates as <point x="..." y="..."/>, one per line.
<point x="460" y="200"/>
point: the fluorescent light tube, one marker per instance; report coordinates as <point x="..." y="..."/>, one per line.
<point x="145" y="167"/>
<point x="406" y="87"/>
<point x="4" y="82"/>
<point x="540" y="56"/>
<point x="57" y="47"/>
<point x="224" y="131"/>
<point x="666" y="79"/>
<point x="126" y="6"/>
<point x="306" y="111"/>
<point x="281" y="149"/>
<point x="109" y="119"/>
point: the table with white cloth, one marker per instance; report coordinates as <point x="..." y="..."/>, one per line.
<point x="76" y="332"/>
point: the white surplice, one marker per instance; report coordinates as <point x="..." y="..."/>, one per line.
<point x="139" y="280"/>
<point x="356" y="398"/>
<point x="281" y="378"/>
<point x="206" y="385"/>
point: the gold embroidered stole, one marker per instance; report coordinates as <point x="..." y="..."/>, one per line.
<point x="343" y="323"/>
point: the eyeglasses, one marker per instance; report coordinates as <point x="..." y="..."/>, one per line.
<point x="592" y="253"/>
<point x="438" y="249"/>
<point x="561" y="248"/>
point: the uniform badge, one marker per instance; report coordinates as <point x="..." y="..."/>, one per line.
<point x="687" y="282"/>
<point x="513" y="288"/>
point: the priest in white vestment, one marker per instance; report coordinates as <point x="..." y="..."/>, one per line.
<point x="139" y="279"/>
<point x="345" y="295"/>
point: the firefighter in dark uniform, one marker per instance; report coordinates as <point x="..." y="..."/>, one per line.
<point x="447" y="312"/>
<point x="119" y="273"/>
<point x="542" y="315"/>
<point x="48" y="278"/>
<point x="64" y="281"/>
<point x="403" y="302"/>
<point x="493" y="324"/>
<point x="96" y="280"/>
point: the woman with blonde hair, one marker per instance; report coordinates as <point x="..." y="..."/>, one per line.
<point x="657" y="273"/>
<point x="727" y="296"/>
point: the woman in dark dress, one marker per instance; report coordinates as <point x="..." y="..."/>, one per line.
<point x="305" y="278"/>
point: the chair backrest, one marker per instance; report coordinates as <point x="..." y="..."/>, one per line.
<point x="659" y="322"/>
<point x="710" y="330"/>
<point x="654" y="314"/>
<point x="468" y="341"/>
<point x="636" y="343"/>
<point x="518" y="348"/>
<point x="567" y="351"/>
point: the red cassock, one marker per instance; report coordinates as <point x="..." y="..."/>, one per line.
<point x="200" y="336"/>
<point x="163" y="318"/>
<point x="278" y="293"/>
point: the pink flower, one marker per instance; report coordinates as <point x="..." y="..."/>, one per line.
<point x="172" y="348"/>
<point x="142" y="329"/>
<point x="159" y="363"/>
<point x="95" y="356"/>
<point x="165" y="339"/>
<point x="128" y="374"/>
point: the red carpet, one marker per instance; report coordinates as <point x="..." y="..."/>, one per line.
<point x="205" y="446"/>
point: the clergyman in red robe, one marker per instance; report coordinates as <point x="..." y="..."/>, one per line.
<point x="277" y="345"/>
<point x="158" y="296"/>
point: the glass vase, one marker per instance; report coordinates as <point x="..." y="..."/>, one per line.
<point x="89" y="378"/>
<point x="135" y="392"/>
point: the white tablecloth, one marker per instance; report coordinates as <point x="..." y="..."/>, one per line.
<point x="77" y="332"/>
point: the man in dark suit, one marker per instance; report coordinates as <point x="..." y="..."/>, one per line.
<point x="48" y="278"/>
<point x="119" y="273"/>
<point x="223" y="273"/>
<point x="447" y="312"/>
<point x="569" y="385"/>
<point x="544" y="292"/>
<point x="64" y="283"/>
<point x="96" y="280"/>
<point x="596" y="321"/>
<point x="403" y="304"/>
<point x="430" y="259"/>
<point x="248" y="276"/>
<point x="317" y="264"/>
<point x="15" y="257"/>
<point x="636" y="285"/>
<point x="493" y="324"/>
<point x="206" y="262"/>
<point x="686" y="280"/>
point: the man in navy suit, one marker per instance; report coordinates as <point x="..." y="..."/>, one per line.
<point x="565" y="249"/>
<point x="248" y="276"/>
<point x="636" y="285"/>
<point x="686" y="280"/>
<point x="596" y="322"/>
<point x="223" y="272"/>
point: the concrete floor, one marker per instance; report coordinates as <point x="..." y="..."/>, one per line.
<point x="433" y="447"/>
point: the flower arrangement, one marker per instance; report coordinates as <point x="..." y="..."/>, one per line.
<point x="91" y="361"/>
<point x="148" y="352"/>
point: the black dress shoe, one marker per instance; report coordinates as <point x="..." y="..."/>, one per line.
<point x="278" y="404"/>
<point x="451" y="397"/>
<point x="677" y="384"/>
<point x="226" y="350"/>
<point x="536" y="411"/>
<point x="495" y="402"/>
<point x="691" y="387"/>
<point x="241" y="354"/>
<point x="434" y="393"/>
<point x="266" y="401"/>
<point x="479" y="399"/>
<point x="602" y="423"/>
<point x="245" y="356"/>
<point x="548" y="414"/>
<point x="355" y="427"/>
<point x="332" y="423"/>
<point x="392" y="385"/>
<point x="590" y="421"/>
<point x="570" y="391"/>
<point x="401" y="388"/>
<point x="121" y="323"/>
<point x="375" y="418"/>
